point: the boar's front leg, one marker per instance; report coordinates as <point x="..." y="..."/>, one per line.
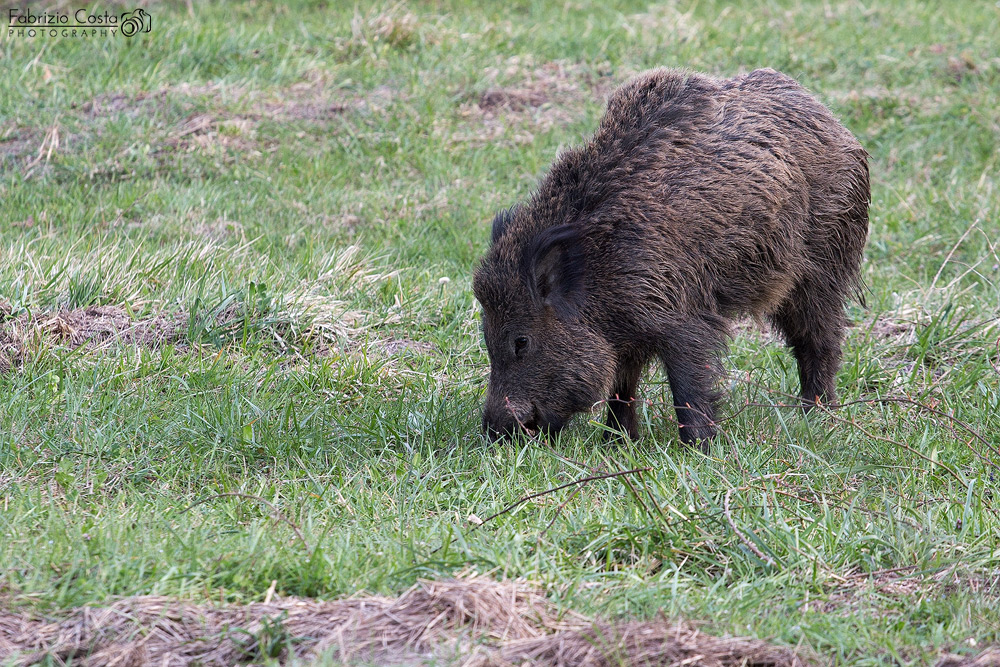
<point x="692" y="365"/>
<point x="694" y="400"/>
<point x="621" y="403"/>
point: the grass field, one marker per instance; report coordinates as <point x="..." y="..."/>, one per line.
<point x="238" y="343"/>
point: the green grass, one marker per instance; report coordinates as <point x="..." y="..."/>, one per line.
<point x="297" y="182"/>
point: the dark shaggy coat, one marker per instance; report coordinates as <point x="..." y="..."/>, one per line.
<point x="696" y="201"/>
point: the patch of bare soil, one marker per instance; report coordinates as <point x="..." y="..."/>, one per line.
<point x="512" y="98"/>
<point x="539" y="99"/>
<point x="315" y="99"/>
<point x="99" y="324"/>
<point x="894" y="331"/>
<point x="312" y="99"/>
<point x="399" y="346"/>
<point x="554" y="83"/>
<point x="91" y="326"/>
<point x="15" y="142"/>
<point x="475" y="621"/>
<point x="222" y="117"/>
<point x="107" y="104"/>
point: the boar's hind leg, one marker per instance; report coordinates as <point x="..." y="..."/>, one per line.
<point x="692" y="370"/>
<point x="812" y="320"/>
<point x="621" y="403"/>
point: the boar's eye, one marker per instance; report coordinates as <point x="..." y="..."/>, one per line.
<point x="520" y="344"/>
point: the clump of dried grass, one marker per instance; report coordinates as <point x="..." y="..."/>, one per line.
<point x="482" y="621"/>
<point x="650" y="643"/>
<point x="394" y="25"/>
<point x="988" y="658"/>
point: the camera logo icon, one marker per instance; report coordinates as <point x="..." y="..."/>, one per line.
<point x="134" y="22"/>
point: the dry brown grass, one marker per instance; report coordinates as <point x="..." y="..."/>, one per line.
<point x="905" y="585"/>
<point x="988" y="658"/>
<point x="474" y="620"/>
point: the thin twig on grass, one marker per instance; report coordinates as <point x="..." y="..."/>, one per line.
<point x="584" y="480"/>
<point x="877" y="573"/>
<point x="903" y="445"/>
<point x="576" y="491"/>
<point x="559" y="510"/>
<point x="739" y="533"/>
<point x="947" y="259"/>
<point x="642" y="503"/>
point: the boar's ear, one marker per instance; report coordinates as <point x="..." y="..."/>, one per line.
<point x="554" y="266"/>
<point x="501" y="221"/>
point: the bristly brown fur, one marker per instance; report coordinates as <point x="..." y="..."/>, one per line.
<point x="697" y="200"/>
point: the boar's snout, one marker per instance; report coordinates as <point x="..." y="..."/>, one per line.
<point x="506" y="417"/>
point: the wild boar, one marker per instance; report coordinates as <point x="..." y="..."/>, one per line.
<point x="698" y="200"/>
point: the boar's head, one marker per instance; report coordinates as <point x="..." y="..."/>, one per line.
<point x="547" y="360"/>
